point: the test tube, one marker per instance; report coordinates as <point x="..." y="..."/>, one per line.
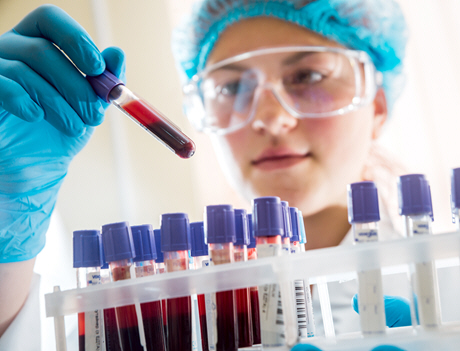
<point x="160" y="269"/>
<point x="87" y="258"/>
<point x="455" y="196"/>
<point x="254" y="290"/>
<point x="299" y="285"/>
<point x="243" y="302"/>
<point x="363" y="215"/>
<point x="220" y="235"/>
<point x="119" y="251"/>
<point x="286" y="238"/>
<point x="144" y="263"/>
<point x="416" y="208"/>
<point x="267" y="221"/>
<point x="113" y="90"/>
<point x="200" y="256"/>
<point x="175" y="244"/>
<point x="311" y="328"/>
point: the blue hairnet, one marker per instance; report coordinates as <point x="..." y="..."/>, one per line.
<point x="377" y="27"/>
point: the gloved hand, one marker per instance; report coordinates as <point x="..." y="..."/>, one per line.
<point x="307" y="347"/>
<point x="47" y="114"/>
<point x="397" y="310"/>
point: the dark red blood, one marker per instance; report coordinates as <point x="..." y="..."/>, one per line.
<point x="227" y="329"/>
<point x="255" y="316"/>
<point x="152" y="318"/>
<point x="112" y="341"/>
<point x="243" y="306"/>
<point x="203" y="323"/>
<point x="179" y="321"/>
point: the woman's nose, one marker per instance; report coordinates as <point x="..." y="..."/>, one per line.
<point x="270" y="116"/>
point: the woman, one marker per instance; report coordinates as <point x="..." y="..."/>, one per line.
<point x="280" y="123"/>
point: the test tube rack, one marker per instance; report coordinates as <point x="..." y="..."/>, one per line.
<point x="318" y="266"/>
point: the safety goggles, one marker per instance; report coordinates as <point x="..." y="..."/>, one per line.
<point x="307" y="81"/>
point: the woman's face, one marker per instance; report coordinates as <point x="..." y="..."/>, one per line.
<point x="307" y="162"/>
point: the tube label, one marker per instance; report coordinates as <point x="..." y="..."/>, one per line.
<point x="301" y="308"/>
<point x="370" y="302"/>
<point x="420" y="227"/>
<point x="366" y="235"/>
<point x="211" y="315"/>
<point x="94" y="329"/>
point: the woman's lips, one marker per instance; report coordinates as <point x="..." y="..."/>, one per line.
<point x="272" y="160"/>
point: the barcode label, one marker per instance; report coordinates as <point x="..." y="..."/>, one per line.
<point x="301" y="308"/>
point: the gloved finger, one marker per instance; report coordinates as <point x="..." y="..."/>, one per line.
<point x="45" y="59"/>
<point x="56" y="110"/>
<point x="115" y="62"/>
<point x="397" y="310"/>
<point x="15" y="100"/>
<point x="387" y="348"/>
<point x="54" y="24"/>
<point x="305" y="347"/>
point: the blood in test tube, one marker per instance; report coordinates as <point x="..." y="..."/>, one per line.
<point x="160" y="268"/>
<point x="144" y="262"/>
<point x="268" y="227"/>
<point x="112" y="90"/>
<point x="87" y="258"/>
<point x="200" y="255"/>
<point x="175" y="244"/>
<point x="119" y="252"/>
<point x="254" y="290"/>
<point x="243" y="302"/>
<point x="220" y="236"/>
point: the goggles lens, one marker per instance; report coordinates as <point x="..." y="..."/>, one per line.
<point x="307" y="82"/>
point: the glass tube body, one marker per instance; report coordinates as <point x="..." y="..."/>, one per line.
<point x="198" y="263"/>
<point x="226" y="321"/>
<point x="423" y="276"/>
<point x="90" y="324"/>
<point x="179" y="309"/>
<point x="370" y="293"/>
<point x="270" y="303"/>
<point x="152" y="120"/>
<point x="243" y="304"/>
<point x="152" y="314"/>
<point x="254" y="293"/>
<point x="112" y="338"/>
<point x="128" y="326"/>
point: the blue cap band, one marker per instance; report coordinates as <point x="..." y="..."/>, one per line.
<point x="144" y="243"/>
<point x="175" y="232"/>
<point x="267" y="216"/>
<point x="87" y="248"/>
<point x="363" y="203"/>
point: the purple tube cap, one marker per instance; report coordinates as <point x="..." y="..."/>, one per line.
<point x="286" y="219"/>
<point x="175" y="232"/>
<point x="241" y="227"/>
<point x="267" y="217"/>
<point x="103" y="84"/>
<point x="220" y="224"/>
<point x="87" y="248"/>
<point x="455" y="183"/>
<point x="414" y="195"/>
<point x="144" y="242"/>
<point x="252" y="238"/>
<point x="157" y="237"/>
<point x="294" y="214"/>
<point x="363" y="203"/>
<point x="117" y="240"/>
<point x="199" y="247"/>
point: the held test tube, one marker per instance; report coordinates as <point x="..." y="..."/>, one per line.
<point x="111" y="89"/>
<point x="87" y="258"/>
<point x="119" y="251"/>
<point x="363" y="215"/>
<point x="243" y="302"/>
<point x="254" y="290"/>
<point x="267" y="222"/>
<point x="415" y="206"/>
<point x="220" y="236"/>
<point x="175" y="244"/>
<point x="144" y="263"/>
<point x="200" y="256"/>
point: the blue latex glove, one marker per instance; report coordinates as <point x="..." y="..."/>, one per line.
<point x="47" y="114"/>
<point x="306" y="347"/>
<point x="397" y="310"/>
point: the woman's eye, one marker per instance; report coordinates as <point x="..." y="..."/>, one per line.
<point x="229" y="89"/>
<point x="304" y="77"/>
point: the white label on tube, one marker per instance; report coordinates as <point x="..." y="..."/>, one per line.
<point x="370" y="302"/>
<point x="420" y="227"/>
<point x="301" y="308"/>
<point x="94" y="321"/>
<point x="271" y="308"/>
<point x="211" y="315"/>
<point x="425" y="289"/>
<point x="196" y="329"/>
<point x="311" y="329"/>
<point x="366" y="235"/>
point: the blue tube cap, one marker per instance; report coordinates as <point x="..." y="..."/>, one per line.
<point x="267" y="217"/>
<point x="252" y="238"/>
<point x="455" y="187"/>
<point x="144" y="242"/>
<point x="286" y="220"/>
<point x="199" y="246"/>
<point x="87" y="248"/>
<point x="414" y="195"/>
<point x="103" y="84"/>
<point x="303" y="236"/>
<point x="220" y="224"/>
<point x="294" y="214"/>
<point x="117" y="241"/>
<point x="363" y="203"/>
<point x="241" y="227"/>
<point x="175" y="232"/>
<point x="157" y="237"/>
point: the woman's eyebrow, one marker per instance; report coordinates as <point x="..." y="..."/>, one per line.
<point x="232" y="67"/>
<point x="296" y="57"/>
